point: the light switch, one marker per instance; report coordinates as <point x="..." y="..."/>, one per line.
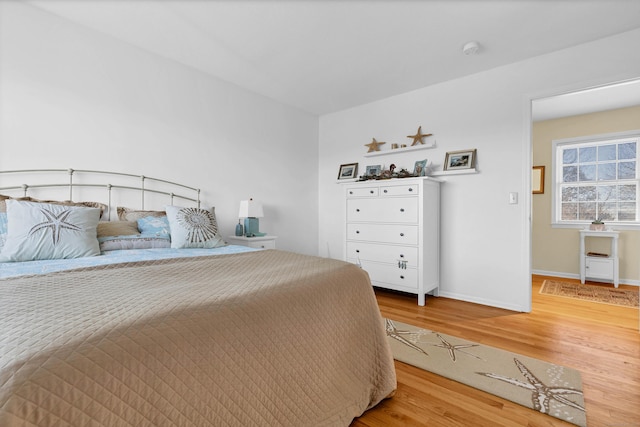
<point x="513" y="198"/>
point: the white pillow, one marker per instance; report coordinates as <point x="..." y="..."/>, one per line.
<point x="193" y="228"/>
<point x="48" y="231"/>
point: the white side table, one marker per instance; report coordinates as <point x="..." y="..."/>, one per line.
<point x="595" y="267"/>
<point x="262" y="242"/>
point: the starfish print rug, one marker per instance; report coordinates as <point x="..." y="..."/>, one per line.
<point x="551" y="389"/>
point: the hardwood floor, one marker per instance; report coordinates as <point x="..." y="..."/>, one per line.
<point x="601" y="341"/>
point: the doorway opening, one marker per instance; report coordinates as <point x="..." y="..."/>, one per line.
<point x="601" y="110"/>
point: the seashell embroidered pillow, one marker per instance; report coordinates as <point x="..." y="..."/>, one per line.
<point x="193" y="228"/>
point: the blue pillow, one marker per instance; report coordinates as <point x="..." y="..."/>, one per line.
<point x="3" y="228"/>
<point x="3" y="223"/>
<point x="154" y="226"/>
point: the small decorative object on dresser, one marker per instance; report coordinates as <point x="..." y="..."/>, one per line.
<point x="373" y="170"/>
<point x="348" y="171"/>
<point x="264" y="242"/>
<point x="463" y="159"/>
<point x="419" y="169"/>
<point x="392" y="232"/>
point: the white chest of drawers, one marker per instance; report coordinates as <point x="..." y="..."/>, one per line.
<point x="393" y="232"/>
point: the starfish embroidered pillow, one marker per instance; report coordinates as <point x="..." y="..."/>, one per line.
<point x="193" y="228"/>
<point x="47" y="231"/>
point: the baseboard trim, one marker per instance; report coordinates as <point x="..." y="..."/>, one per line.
<point x="577" y="276"/>
<point x="482" y="301"/>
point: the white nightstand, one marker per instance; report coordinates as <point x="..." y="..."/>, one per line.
<point x="600" y="268"/>
<point x="263" y="242"/>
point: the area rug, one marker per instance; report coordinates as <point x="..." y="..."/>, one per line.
<point x="551" y="389"/>
<point x="594" y="293"/>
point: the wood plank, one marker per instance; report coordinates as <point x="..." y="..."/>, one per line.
<point x="601" y="341"/>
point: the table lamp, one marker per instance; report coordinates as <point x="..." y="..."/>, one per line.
<point x="251" y="210"/>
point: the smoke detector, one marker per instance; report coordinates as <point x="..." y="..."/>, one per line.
<point x="471" y="48"/>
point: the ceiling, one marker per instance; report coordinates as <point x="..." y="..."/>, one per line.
<point x="326" y="56"/>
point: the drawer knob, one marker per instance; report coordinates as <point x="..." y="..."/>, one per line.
<point x="410" y="189"/>
<point x="385" y="191"/>
<point x="402" y="277"/>
<point x="371" y="191"/>
<point x="357" y="210"/>
<point x="401" y="234"/>
<point x="401" y="255"/>
<point x="350" y="192"/>
<point x="401" y="209"/>
<point x="357" y="231"/>
<point x="358" y="250"/>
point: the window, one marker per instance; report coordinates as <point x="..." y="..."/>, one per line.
<point x="597" y="178"/>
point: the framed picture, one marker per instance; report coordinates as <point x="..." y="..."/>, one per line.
<point x="348" y="171"/>
<point x="537" y="180"/>
<point x="419" y="169"/>
<point x="463" y="159"/>
<point x="373" y="170"/>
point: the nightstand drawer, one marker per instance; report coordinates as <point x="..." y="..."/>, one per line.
<point x="266" y="242"/>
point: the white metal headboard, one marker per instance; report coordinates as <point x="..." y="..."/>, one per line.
<point x="146" y="184"/>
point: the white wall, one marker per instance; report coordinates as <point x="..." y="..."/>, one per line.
<point x="71" y="97"/>
<point x="485" y="243"/>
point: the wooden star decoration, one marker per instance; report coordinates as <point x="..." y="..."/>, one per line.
<point x="417" y="138"/>
<point x="374" y="145"/>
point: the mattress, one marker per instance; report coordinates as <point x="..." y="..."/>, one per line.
<point x="15" y="269"/>
<point x="259" y="338"/>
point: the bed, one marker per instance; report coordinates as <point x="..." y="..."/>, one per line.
<point x="190" y="336"/>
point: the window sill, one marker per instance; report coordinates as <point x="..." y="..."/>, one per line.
<point x="609" y="226"/>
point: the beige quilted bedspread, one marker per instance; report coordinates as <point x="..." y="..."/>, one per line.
<point x="263" y="338"/>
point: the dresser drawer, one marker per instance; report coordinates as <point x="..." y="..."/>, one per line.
<point x="362" y="192"/>
<point x="400" y="209"/>
<point x="392" y="277"/>
<point x="384" y="233"/>
<point x="391" y="254"/>
<point x="399" y="190"/>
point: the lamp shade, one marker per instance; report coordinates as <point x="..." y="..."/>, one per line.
<point x="250" y="209"/>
